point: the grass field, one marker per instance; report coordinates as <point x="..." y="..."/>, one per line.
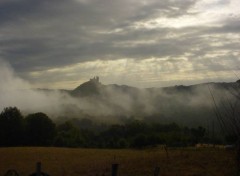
<point x="97" y="162"/>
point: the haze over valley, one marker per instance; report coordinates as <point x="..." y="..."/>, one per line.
<point x="152" y="86"/>
<point x="187" y="105"/>
<point x="156" y="60"/>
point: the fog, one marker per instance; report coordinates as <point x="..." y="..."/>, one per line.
<point x="15" y="91"/>
<point x="113" y="103"/>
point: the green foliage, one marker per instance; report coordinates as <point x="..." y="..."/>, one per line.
<point x="122" y="143"/>
<point x="231" y="138"/>
<point x="39" y="130"/>
<point x="11" y="127"/>
<point x="198" y="134"/>
<point x="139" y="141"/>
<point x="68" y="136"/>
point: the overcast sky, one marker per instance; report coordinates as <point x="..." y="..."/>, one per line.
<point x="142" y="43"/>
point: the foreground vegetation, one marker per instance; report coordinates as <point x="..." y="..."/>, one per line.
<point x="143" y="147"/>
<point x="93" y="162"/>
<point x="39" y="130"/>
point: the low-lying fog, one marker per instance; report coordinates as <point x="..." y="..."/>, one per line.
<point x="181" y="104"/>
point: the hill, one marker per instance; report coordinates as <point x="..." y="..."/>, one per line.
<point x="188" y="105"/>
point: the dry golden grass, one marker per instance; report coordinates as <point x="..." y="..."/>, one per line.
<point x="97" y="162"/>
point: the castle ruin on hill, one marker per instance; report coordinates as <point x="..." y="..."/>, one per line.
<point x="95" y="79"/>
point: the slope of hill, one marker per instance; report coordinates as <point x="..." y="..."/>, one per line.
<point x="182" y="104"/>
<point x="89" y="88"/>
<point x="95" y="87"/>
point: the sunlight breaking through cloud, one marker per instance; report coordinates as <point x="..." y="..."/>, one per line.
<point x="60" y="44"/>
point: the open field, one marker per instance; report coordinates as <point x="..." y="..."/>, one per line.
<point x="97" y="162"/>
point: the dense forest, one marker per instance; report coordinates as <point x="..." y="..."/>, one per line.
<point x="38" y="129"/>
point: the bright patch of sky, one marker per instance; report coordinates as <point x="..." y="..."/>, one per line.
<point x="150" y="72"/>
<point x="205" y="12"/>
<point x="143" y="43"/>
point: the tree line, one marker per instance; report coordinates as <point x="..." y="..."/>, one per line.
<point x="38" y="129"/>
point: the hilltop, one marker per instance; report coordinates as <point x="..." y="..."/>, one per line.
<point x="95" y="87"/>
<point x="182" y="104"/>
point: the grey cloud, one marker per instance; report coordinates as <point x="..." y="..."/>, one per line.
<point x="42" y="34"/>
<point x="13" y="11"/>
<point x="229" y="25"/>
<point x="38" y="35"/>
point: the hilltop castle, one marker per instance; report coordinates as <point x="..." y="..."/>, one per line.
<point x="95" y="79"/>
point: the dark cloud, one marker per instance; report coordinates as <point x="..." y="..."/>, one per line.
<point x="55" y="31"/>
<point x="38" y="35"/>
<point x="230" y="26"/>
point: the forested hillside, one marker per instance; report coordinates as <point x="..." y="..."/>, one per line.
<point x="39" y="130"/>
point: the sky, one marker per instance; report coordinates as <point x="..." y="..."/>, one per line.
<point x="59" y="44"/>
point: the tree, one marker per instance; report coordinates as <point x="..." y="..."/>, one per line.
<point x="228" y="114"/>
<point x="198" y="134"/>
<point x="11" y="127"/>
<point x="68" y="135"/>
<point x="139" y="141"/>
<point x="228" y="110"/>
<point x="39" y="130"/>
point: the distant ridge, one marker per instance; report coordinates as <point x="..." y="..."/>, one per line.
<point x="188" y="105"/>
<point x="91" y="87"/>
<point x="94" y="87"/>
